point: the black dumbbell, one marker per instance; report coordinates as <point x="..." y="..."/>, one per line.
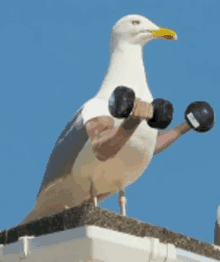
<point x="200" y="116"/>
<point x="122" y="100"/>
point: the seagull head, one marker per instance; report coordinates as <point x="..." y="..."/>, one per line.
<point x="137" y="29"/>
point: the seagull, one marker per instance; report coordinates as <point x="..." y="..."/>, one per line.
<point x="73" y="174"/>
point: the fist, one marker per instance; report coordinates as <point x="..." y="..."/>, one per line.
<point x="142" y="110"/>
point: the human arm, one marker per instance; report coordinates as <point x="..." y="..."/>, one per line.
<point x="167" y="138"/>
<point x="106" y="139"/>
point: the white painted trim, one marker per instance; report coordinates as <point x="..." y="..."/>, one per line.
<point x="187" y="256"/>
<point x="95" y="244"/>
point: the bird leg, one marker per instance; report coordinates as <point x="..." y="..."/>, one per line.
<point x="93" y="194"/>
<point x="122" y="202"/>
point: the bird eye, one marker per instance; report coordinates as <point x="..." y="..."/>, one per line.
<point x="135" y="22"/>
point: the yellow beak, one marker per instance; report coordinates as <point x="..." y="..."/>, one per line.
<point x="165" y="33"/>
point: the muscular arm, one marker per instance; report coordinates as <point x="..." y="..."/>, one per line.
<point x="167" y="138"/>
<point x="106" y="139"/>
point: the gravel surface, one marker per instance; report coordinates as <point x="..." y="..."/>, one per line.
<point x="88" y="215"/>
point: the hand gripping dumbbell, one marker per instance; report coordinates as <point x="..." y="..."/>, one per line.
<point x="122" y="101"/>
<point x="200" y="116"/>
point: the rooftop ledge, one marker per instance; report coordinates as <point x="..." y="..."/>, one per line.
<point x="87" y="234"/>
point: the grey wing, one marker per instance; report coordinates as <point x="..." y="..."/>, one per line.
<point x="66" y="149"/>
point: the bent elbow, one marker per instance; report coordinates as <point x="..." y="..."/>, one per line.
<point x="100" y="156"/>
<point x="97" y="154"/>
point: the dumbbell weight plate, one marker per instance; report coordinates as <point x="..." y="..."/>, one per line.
<point x="121" y="102"/>
<point x="200" y="116"/>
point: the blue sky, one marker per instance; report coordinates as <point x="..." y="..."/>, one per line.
<point x="53" y="58"/>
